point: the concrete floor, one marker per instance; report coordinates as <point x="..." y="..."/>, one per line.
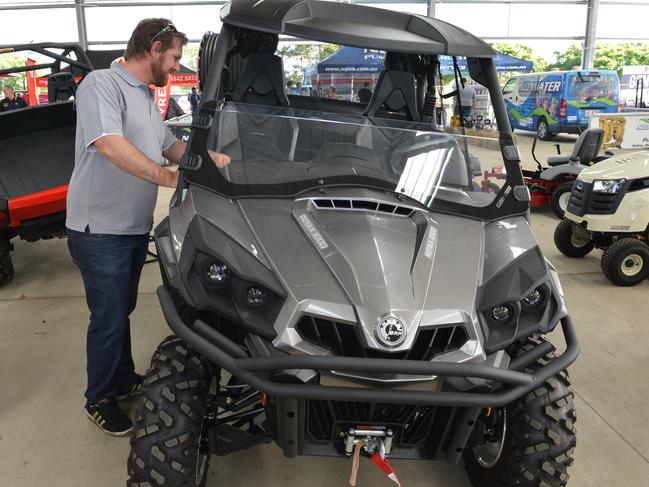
<point x="46" y="440"/>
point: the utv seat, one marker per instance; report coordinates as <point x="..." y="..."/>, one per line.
<point x="258" y="98"/>
<point x="584" y="151"/>
<point x="61" y="87"/>
<point x="394" y="97"/>
<point x="390" y="116"/>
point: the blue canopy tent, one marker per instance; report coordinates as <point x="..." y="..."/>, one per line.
<point x="351" y="60"/>
<point x="349" y="67"/>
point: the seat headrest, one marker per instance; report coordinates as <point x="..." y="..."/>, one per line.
<point x="395" y="92"/>
<point x="262" y="81"/>
<point x="588" y="144"/>
<point x="61" y="87"/>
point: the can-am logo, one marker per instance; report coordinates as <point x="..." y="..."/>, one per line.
<point x="313" y="232"/>
<point x="391" y="331"/>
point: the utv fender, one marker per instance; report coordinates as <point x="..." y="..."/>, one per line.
<point x="560" y="172"/>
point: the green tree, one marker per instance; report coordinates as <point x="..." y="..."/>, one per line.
<point x="567" y="59"/>
<point x="190" y="56"/>
<point x="17" y="81"/>
<point x="521" y="51"/>
<point x="607" y="56"/>
<point x="300" y="56"/>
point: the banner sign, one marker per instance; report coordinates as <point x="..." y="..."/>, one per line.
<point x="623" y="131"/>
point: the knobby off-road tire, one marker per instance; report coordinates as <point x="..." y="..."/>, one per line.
<point x="568" y="242"/>
<point x="540" y="435"/>
<point x="168" y="421"/>
<point x="6" y="268"/>
<point x="626" y="262"/>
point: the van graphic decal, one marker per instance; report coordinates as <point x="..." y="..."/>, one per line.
<point x="605" y="101"/>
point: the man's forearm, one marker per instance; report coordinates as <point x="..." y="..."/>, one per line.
<point x="128" y="158"/>
<point x="175" y="152"/>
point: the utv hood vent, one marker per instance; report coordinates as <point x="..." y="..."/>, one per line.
<point x="355" y="204"/>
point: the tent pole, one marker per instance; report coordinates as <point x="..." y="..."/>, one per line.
<point x="430" y="8"/>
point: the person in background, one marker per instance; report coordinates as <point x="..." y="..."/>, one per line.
<point x="365" y="93"/>
<point x="11" y="101"/>
<point x="194" y="101"/>
<point x="331" y="92"/>
<point x="467" y="99"/>
<point x="298" y="88"/>
<point x="289" y="87"/>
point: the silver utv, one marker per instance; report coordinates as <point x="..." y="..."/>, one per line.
<point x="345" y="280"/>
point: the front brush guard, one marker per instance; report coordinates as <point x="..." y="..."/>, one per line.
<point x="254" y="371"/>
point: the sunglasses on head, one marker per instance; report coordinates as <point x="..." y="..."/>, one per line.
<point x="169" y="29"/>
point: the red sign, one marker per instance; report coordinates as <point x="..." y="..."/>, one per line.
<point x="31" y="84"/>
<point x="189" y="79"/>
<point x="162" y="97"/>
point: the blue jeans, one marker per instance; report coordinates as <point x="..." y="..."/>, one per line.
<point x="110" y="267"/>
<point x="466" y="111"/>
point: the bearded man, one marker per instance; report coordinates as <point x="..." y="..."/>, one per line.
<point x="120" y="142"/>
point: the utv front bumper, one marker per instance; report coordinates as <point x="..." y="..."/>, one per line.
<point x="257" y="372"/>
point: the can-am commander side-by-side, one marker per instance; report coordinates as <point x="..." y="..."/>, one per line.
<point x="345" y="286"/>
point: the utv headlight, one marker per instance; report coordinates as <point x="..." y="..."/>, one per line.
<point x="608" y="186"/>
<point x="251" y="294"/>
<point x="256" y="296"/>
<point x="218" y="274"/>
<point x="535" y="299"/>
<point x="502" y="313"/>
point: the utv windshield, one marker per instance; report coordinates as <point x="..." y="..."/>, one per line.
<point x="284" y="152"/>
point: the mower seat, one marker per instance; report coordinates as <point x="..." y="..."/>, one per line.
<point x="584" y="151"/>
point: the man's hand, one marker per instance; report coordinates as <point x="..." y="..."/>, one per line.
<point x="220" y="160"/>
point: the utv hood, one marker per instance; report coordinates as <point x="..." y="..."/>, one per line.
<point x="374" y="256"/>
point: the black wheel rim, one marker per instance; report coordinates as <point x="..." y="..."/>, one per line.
<point x="491" y="439"/>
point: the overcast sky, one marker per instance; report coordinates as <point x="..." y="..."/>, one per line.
<point x="490" y="21"/>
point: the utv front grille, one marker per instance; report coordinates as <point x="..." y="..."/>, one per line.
<point x="361" y="205"/>
<point x="583" y="200"/>
<point x="342" y="340"/>
<point x="411" y="425"/>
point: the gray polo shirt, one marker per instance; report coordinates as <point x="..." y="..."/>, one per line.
<point x="101" y="195"/>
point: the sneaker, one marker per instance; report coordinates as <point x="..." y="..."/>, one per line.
<point x="109" y="418"/>
<point x="131" y="390"/>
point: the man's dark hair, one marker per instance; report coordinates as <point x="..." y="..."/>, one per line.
<point x="366" y="84"/>
<point x="193" y="89"/>
<point x="147" y="32"/>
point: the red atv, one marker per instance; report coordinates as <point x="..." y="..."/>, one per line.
<point x="37" y="152"/>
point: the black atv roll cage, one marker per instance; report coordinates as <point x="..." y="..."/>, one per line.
<point x="81" y="63"/>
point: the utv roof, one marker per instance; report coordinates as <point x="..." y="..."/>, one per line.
<point x="355" y="25"/>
